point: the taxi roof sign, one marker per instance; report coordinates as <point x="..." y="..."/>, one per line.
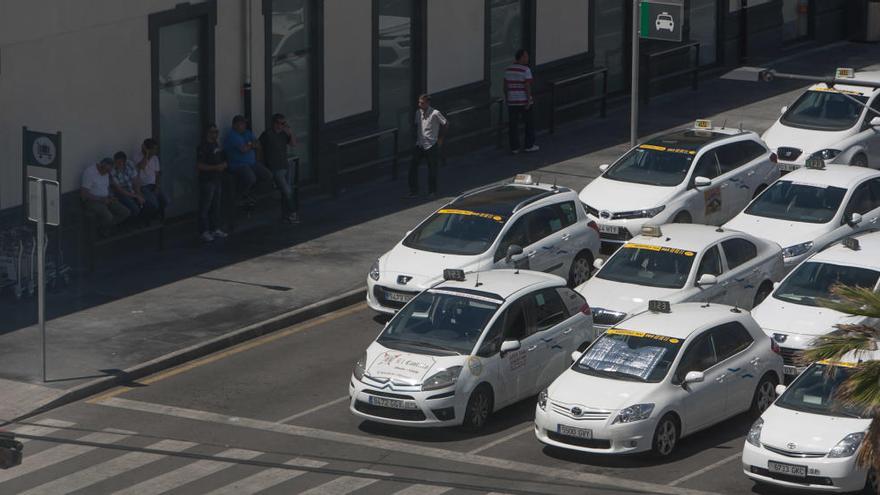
<point x="851" y="243"/>
<point x="703" y="124"/>
<point x="815" y="162"/>
<point x="659" y="306"/>
<point x="523" y="179"/>
<point x="651" y="230"/>
<point x="454" y="274"/>
<point x="845" y="73"/>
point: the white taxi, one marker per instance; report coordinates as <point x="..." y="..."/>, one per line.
<point x="813" y="207"/>
<point x="808" y="439"/>
<point x="662" y="375"/>
<point x="470" y="346"/>
<point x="682" y="263"/>
<point x="701" y="175"/>
<point x="793" y="317"/>
<point x="839" y="124"/>
<point x="522" y="224"/>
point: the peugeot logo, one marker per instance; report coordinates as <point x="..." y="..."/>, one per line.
<point x="780" y="337"/>
<point x="605" y="214"/>
<point x="403" y="279"/>
<point x="791" y="445"/>
<point x="576" y="411"/>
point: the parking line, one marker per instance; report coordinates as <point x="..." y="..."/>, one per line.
<point x="244" y="346"/>
<point x="314" y="409"/>
<point x="706" y="469"/>
<point x="502" y="440"/>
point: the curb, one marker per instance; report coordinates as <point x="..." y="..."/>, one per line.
<point x="198" y="350"/>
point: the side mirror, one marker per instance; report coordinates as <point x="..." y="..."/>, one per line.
<point x="783" y="110"/>
<point x="598" y="263"/>
<point x="513" y="250"/>
<point x="575" y="355"/>
<point x="875" y="122"/>
<point x="509" y="346"/>
<point x="855" y="219"/>
<point x="780" y="389"/>
<point x="707" y="279"/>
<point x="694" y="377"/>
<point x="604" y="166"/>
<point x="702" y="181"/>
<point x="776" y="285"/>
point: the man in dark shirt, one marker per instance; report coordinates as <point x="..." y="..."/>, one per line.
<point x="211" y="162"/>
<point x="274" y="142"/>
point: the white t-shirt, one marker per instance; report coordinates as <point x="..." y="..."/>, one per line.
<point x="428" y="125"/>
<point x="147" y="176"/>
<point x="95" y="183"/>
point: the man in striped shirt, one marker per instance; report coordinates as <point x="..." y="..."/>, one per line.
<point x="518" y="94"/>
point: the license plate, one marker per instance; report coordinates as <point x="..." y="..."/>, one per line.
<point x="788" y="167"/>
<point x="608" y="229"/>
<point x="789" y="469"/>
<point x="574" y="431"/>
<point x="790" y="370"/>
<point x="397" y="297"/>
<point x="392" y="403"/>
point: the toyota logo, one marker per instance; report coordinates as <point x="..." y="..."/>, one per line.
<point x="605" y="214"/>
<point x="791" y="445"/>
<point x="403" y="279"/>
<point x="576" y="411"/>
<point x="780" y="337"/>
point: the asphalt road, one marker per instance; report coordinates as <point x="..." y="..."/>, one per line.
<point x="272" y="414"/>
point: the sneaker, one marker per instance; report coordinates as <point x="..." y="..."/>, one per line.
<point x="532" y="148"/>
<point x="207" y="237"/>
<point x="514" y="152"/>
<point x="292" y="218"/>
<point x="219" y="234"/>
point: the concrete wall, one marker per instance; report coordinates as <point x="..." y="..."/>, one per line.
<point x="554" y="18"/>
<point x="456" y="43"/>
<point x="348" y="58"/>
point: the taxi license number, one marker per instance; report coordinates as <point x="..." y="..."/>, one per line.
<point x="397" y="297"/>
<point x="788" y="167"/>
<point x="393" y="403"/>
<point x="789" y="469"/>
<point x="790" y="370"/>
<point x="573" y="431"/>
<point x="608" y="229"/>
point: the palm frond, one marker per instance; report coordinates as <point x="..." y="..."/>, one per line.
<point x="860" y="389"/>
<point x="845" y="339"/>
<point x="859" y="301"/>
<point x="869" y="453"/>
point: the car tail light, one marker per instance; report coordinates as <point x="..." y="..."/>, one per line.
<point x="585" y="309"/>
<point x="774" y="158"/>
<point x="775" y="347"/>
<point x="593" y="225"/>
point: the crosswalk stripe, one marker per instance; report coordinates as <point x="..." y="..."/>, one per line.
<point x="106" y="470"/>
<point x="423" y="490"/>
<point x="61" y="453"/>
<point x="266" y="478"/>
<point x="340" y="486"/>
<point x="187" y="474"/>
<point x="40" y="428"/>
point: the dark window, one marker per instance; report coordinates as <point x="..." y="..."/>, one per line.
<point x="875" y="188"/>
<point x="862" y="201"/>
<point x="572" y="300"/>
<point x="516" y="234"/>
<point x="515" y="323"/>
<point x="707" y="166"/>
<point x="738" y="251"/>
<point x="734" y="155"/>
<point x="568" y="212"/>
<point x="699" y="356"/>
<point x="549" y="309"/>
<point x="544" y="221"/>
<point x="492" y="341"/>
<point x="730" y="339"/>
<point x="711" y="263"/>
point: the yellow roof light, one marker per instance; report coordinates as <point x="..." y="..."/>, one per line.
<point x="523" y="179"/>
<point x="703" y="124"/>
<point x="845" y="73"/>
<point x="651" y="231"/>
<point x="815" y="162"/>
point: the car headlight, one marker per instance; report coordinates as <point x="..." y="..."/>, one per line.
<point x="634" y="413"/>
<point x="646" y="213"/>
<point x="754" y="436"/>
<point x="360" y="367"/>
<point x="442" y="379"/>
<point x="847" y="446"/>
<point x="374" y="270"/>
<point x="797" y="249"/>
<point x="826" y="154"/>
<point x="602" y="316"/>
<point x="542" y="400"/>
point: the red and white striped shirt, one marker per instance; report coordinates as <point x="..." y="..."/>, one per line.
<point x="515" y="79"/>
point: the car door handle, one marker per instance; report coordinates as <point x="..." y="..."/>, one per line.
<point x="531" y="254"/>
<point x="566" y="237"/>
<point x="724" y="185"/>
<point x="720" y="378"/>
<point x="532" y="348"/>
<point x="567" y="331"/>
<point x="755" y="361"/>
<point x="751" y="173"/>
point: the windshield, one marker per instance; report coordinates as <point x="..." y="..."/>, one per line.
<point x="815" y="389"/>
<point x="652" y="165"/>
<point x="629" y="355"/>
<point x="812" y="281"/>
<point x="825" y="110"/>
<point x="452" y="231"/>
<point x="787" y="200"/>
<point x="439" y="321"/>
<point x="653" y="266"/>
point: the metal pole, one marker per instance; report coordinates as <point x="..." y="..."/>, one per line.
<point x="41" y="271"/>
<point x="634" y="84"/>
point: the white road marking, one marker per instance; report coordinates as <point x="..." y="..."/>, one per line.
<point x="340" y="486"/>
<point x="314" y="409"/>
<point x="423" y="490"/>
<point x="397" y="446"/>
<point x="374" y="473"/>
<point x="187" y="474"/>
<point x="106" y="470"/>
<point x="266" y="479"/>
<point x="40" y="427"/>
<point x="705" y="469"/>
<point x="502" y="440"/>
<point x="54" y="455"/>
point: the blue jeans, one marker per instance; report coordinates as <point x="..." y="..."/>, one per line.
<point x="209" y="205"/>
<point x="288" y="198"/>
<point x="154" y="199"/>
<point x="515" y="113"/>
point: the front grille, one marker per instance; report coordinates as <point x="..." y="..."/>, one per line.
<point x="621" y="236"/>
<point x="789" y="453"/>
<point x="791" y="357"/>
<point x="586" y="414"/>
<point x="589" y="443"/>
<point x="389" y="412"/>
<point x="812" y="480"/>
<point x="788" y="154"/>
<point x="388" y="394"/>
<point x="380" y="293"/>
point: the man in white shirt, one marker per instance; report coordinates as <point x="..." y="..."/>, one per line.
<point x="431" y="127"/>
<point x="96" y="197"/>
<point x="518" y="95"/>
<point x="146" y="162"/>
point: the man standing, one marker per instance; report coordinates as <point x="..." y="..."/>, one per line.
<point x="123" y="180"/>
<point x="95" y="194"/>
<point x="146" y="162"/>
<point x="211" y="162"/>
<point x="240" y="146"/>
<point x="431" y="128"/>
<point x="274" y="142"/>
<point x="518" y="94"/>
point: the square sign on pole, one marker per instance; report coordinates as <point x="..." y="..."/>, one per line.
<point x="661" y="20"/>
<point x="52" y="193"/>
<point x="35" y="199"/>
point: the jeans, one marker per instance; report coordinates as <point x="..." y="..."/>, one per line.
<point x="132" y="204"/>
<point x="210" y="192"/>
<point x="248" y="175"/>
<point x="154" y="199"/>
<point x="107" y="214"/>
<point x="430" y="156"/>
<point x="515" y="113"/>
<point x="288" y="198"/>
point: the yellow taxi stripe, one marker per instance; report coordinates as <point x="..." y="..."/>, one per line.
<point x="634" y="333"/>
<point x="842" y="364"/>
<point x="649" y="247"/>
<point x="453" y="211"/>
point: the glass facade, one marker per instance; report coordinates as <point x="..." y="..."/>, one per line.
<point x="396" y="99"/>
<point x="795" y="15"/>
<point x="704" y="29"/>
<point x="611" y="33"/>
<point x="505" y="38"/>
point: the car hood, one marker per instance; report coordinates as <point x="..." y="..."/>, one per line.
<point x="783" y="232"/>
<point x="619" y="296"/>
<point x="616" y="196"/>
<point x="423" y="265"/>
<point x="776" y="316"/>
<point x="807" y="140"/>
<point x="797" y="431"/>
<point x="573" y="388"/>
<point x="406" y="368"/>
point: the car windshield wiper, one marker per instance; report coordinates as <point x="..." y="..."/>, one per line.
<point x="430" y="345"/>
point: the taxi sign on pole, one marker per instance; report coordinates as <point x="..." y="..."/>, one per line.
<point x="844" y="73"/>
<point x="703" y="124"/>
<point x="661" y="20"/>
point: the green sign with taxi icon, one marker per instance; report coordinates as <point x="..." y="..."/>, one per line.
<point x="661" y="20"/>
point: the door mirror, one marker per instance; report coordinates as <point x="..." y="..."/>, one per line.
<point x="694" y="377"/>
<point x="598" y="263"/>
<point x="604" y="167"/>
<point x="513" y="250"/>
<point x="783" y="110"/>
<point x="875" y="122"/>
<point x="855" y="219"/>
<point x="707" y="279"/>
<point x="780" y="389"/>
<point x="575" y="355"/>
<point x="509" y="346"/>
<point x="701" y="181"/>
<point x="776" y="285"/>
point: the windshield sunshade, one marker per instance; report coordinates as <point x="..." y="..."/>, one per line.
<point x="825" y="110"/>
<point x="812" y="281"/>
<point x="653" y="266"/>
<point x="653" y="165"/>
<point x="787" y="200"/>
<point x="453" y="231"/>
<point x="630" y="355"/>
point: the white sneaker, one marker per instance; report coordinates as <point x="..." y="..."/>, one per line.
<point x="207" y="237"/>
<point x="219" y="234"/>
<point x="532" y="148"/>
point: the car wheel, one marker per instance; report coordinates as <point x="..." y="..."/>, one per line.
<point x="478" y="409"/>
<point x="859" y="160"/>
<point x="763" y="291"/>
<point x="665" y="436"/>
<point x="581" y="269"/>
<point x="683" y="217"/>
<point x="765" y="394"/>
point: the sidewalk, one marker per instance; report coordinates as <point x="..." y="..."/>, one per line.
<point x="146" y="310"/>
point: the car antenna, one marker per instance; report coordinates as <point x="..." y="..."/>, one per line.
<point x="478" y="280"/>
<point x="554" y="184"/>
<point x="724" y="124"/>
<point x="740" y="127"/>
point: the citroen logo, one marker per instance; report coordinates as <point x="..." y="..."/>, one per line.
<point x="403" y="279"/>
<point x="780" y="337"/>
<point x="605" y="214"/>
<point x="791" y="445"/>
<point x="576" y="411"/>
